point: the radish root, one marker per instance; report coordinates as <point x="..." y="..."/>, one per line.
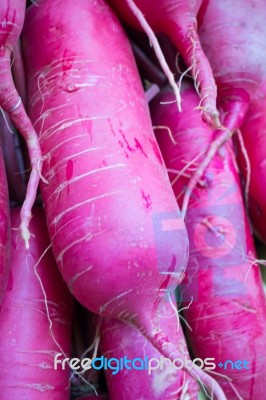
<point x="157" y="49"/>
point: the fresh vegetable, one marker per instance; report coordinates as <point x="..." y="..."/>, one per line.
<point x="224" y="285"/>
<point x="253" y="166"/>
<point x="177" y="19"/>
<point x="5" y="232"/>
<point x="18" y="73"/>
<point x="35" y="319"/>
<point x="233" y="38"/>
<point x="12" y="15"/>
<point x="116" y="232"/>
<point x="164" y="381"/>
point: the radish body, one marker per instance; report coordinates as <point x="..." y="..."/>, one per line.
<point x="12" y="14"/>
<point x="177" y="19"/>
<point x="116" y="233"/>
<point x="119" y="339"/>
<point x="233" y="38"/>
<point x="228" y="307"/>
<point x="5" y="231"/>
<point x="27" y="343"/>
<point x="254" y="136"/>
<point x="102" y="207"/>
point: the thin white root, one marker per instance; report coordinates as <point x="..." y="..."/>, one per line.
<point x="212" y="150"/>
<point x="50" y="319"/>
<point x="248" y="166"/>
<point x="168" y="130"/>
<point x="157" y="49"/>
<point x="39" y="166"/>
<point x="6" y="121"/>
<point x="25" y="233"/>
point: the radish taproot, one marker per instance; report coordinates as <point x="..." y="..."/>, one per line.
<point x="149" y="376"/>
<point x="116" y="233"/>
<point x="223" y="282"/>
<point x="35" y="319"/>
<point x="12" y="14"/>
<point x="177" y="19"/>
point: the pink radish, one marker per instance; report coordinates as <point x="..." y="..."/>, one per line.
<point x="116" y="233"/>
<point x="253" y="131"/>
<point x="233" y="39"/>
<point x="228" y="308"/>
<point x="35" y="319"/>
<point x="177" y="19"/>
<point x="12" y="14"/>
<point x="119" y="339"/>
<point x="4" y="228"/>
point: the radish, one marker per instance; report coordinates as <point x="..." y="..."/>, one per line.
<point x="228" y="307"/>
<point x="4" y="229"/>
<point x="119" y="339"/>
<point x="177" y="19"/>
<point x="18" y="73"/>
<point x="116" y="233"/>
<point x="35" y="319"/>
<point x="232" y="38"/>
<point x="12" y="15"/>
<point x="254" y="138"/>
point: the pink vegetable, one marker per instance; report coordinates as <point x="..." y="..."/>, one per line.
<point x="177" y="19"/>
<point x="18" y="73"/>
<point x="29" y="340"/>
<point x="12" y="15"/>
<point x="116" y="233"/>
<point x="254" y="136"/>
<point x="228" y="310"/>
<point x="233" y="37"/>
<point x="4" y="228"/>
<point x="119" y="339"/>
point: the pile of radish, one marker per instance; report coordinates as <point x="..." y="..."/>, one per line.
<point x="132" y="166"/>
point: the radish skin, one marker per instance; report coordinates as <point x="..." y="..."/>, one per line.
<point x="228" y="309"/>
<point x="233" y="38"/>
<point x="12" y="14"/>
<point x="253" y="132"/>
<point x="18" y="73"/>
<point x="177" y="19"/>
<point x="116" y="233"/>
<point x="119" y="339"/>
<point x="28" y="343"/>
<point x="5" y="232"/>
